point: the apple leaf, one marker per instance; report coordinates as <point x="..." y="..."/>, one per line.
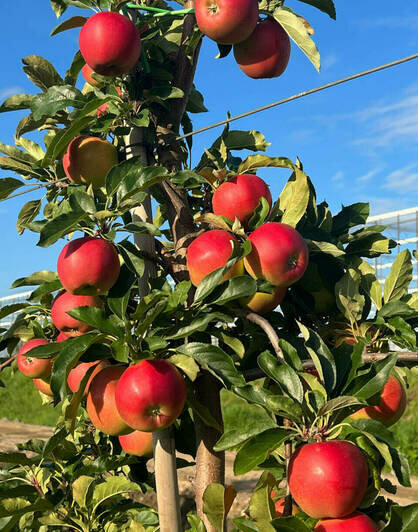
<point x="350" y="216"/>
<point x="56" y="99"/>
<point x="368" y="281"/>
<point x="215" y="505"/>
<point x="16" y="102"/>
<point x="73" y="22"/>
<point x="349" y="300"/>
<point x="236" y="288"/>
<point x="199" y="324"/>
<point x="257" y="449"/>
<point x="59" y="226"/>
<point x="399" y="278"/>
<point x="403" y="518"/>
<point x="372" y="382"/>
<point x="132" y="257"/>
<point x="294" y="199"/>
<point x="41" y="72"/>
<point x="96" y="317"/>
<point x="36" y="278"/>
<point x="112" y="486"/>
<point x="395" y="308"/>
<point x="297" y="31"/>
<point x="326" y="6"/>
<point x="27" y="214"/>
<point x="283" y="374"/>
<point x="252" y="162"/>
<point x="9" y="185"/>
<point x="224" y="50"/>
<point x="11" y="309"/>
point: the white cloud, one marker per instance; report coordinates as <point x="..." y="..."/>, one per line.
<point x="338" y="176"/>
<point x="408" y="23"/>
<point x="368" y="176"/>
<point x="403" y="180"/>
<point x="9" y="91"/>
<point x="329" y="61"/>
<point x="380" y="205"/>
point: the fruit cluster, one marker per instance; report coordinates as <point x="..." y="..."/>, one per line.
<point x="261" y="47"/>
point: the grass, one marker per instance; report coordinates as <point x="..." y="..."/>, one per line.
<point x="21" y="401"/>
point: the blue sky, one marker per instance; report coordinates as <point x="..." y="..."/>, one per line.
<point x="358" y="141"/>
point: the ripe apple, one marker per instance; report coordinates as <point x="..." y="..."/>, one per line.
<point x="88" y="160"/>
<point x="226" y="21"/>
<point x="150" y="395"/>
<point x="88" y="266"/>
<point x="110" y="43"/>
<point x="356" y="522"/>
<point x="211" y="251"/>
<point x="76" y="375"/>
<point x="266" y="52"/>
<point x="43" y="386"/>
<point x="65" y="302"/>
<point x="62" y="337"/>
<point x="279" y="505"/>
<point x="261" y="303"/>
<point x="101" y="404"/>
<point x="33" y="367"/>
<point x="239" y="197"/>
<point x="279" y="254"/>
<point x="328" y="479"/>
<point x="391" y="406"/>
<point x="87" y="75"/>
<point x="137" y="443"/>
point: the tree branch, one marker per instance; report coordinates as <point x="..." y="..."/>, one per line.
<point x="267" y="328"/>
<point x="7" y="362"/>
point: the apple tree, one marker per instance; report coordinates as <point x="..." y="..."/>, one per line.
<point x="189" y="303"/>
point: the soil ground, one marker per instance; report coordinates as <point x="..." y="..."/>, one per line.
<point x="13" y="432"/>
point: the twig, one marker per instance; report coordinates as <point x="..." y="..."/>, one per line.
<point x="267" y="328"/>
<point x="7" y="362"/>
<point x="288" y="503"/>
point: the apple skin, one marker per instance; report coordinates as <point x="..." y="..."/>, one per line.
<point x="87" y="75"/>
<point x="266" y="52"/>
<point x="356" y="522"/>
<point x="76" y="375"/>
<point x="43" y="386"/>
<point x="101" y="403"/>
<point x="88" y="266"/>
<point x="110" y="43"/>
<point x="279" y="254"/>
<point x="211" y="251"/>
<point x="262" y="303"/>
<point x="392" y="404"/>
<point x="62" y="337"/>
<point x="137" y="443"/>
<point x="328" y="479"/>
<point x="279" y="505"/>
<point x="65" y="302"/>
<point x="33" y="367"/>
<point x="150" y="395"/>
<point x="226" y="21"/>
<point x="88" y="160"/>
<point x="238" y="197"/>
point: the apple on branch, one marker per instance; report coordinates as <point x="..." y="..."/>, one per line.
<point x="65" y="302"/>
<point x="33" y="367"/>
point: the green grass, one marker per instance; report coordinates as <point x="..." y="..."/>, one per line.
<point x="406" y="429"/>
<point x="21" y="401"/>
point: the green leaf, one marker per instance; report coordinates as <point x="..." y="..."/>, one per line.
<point x="16" y="102"/>
<point x="372" y="383"/>
<point x="199" y="324"/>
<point x="56" y="99"/>
<point x="337" y="404"/>
<point x="118" y="296"/>
<point x="96" y="317"/>
<point x="186" y="364"/>
<point x="290" y="524"/>
<point x="15" y="153"/>
<point x="59" y="227"/>
<point x="195" y="103"/>
<point x="11" y="309"/>
<point x="58" y="6"/>
<point x="295" y="202"/>
<point x="27" y="214"/>
<point x="349" y="300"/>
<point x="234" y="343"/>
<point x="324" y="247"/>
<point x="20" y="167"/>
<point x="282" y="374"/>
<point x="403" y="519"/>
<point x="214" y="505"/>
<point x="350" y="216"/>
<point x="241" y="421"/>
<point x="215" y="359"/>
<point x="41" y="72"/>
<point x="80" y="489"/>
<point x="33" y="151"/>
<point x="9" y="185"/>
<point x="370" y="246"/>
<point x="224" y="50"/>
<point x="399" y="278"/>
<point x="132" y="257"/>
<point x="256" y="450"/>
<point x="20" y="506"/>
<point x="253" y="162"/>
<point x="69" y="24"/>
<point x="143" y="228"/>
<point x="369" y="282"/>
<point x="44" y="276"/>
<point x="236" y="288"/>
<point x="326" y="6"/>
<point x="45" y="288"/>
<point x="297" y="31"/>
<point x="395" y="308"/>
<point x="111" y="487"/>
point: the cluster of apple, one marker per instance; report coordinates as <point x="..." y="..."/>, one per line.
<point x="261" y="47"/>
<point x="129" y="402"/>
<point x="279" y="254"/>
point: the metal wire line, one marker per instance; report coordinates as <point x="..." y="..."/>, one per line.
<point x="300" y="95"/>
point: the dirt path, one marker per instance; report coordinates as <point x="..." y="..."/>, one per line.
<point x="13" y="432"/>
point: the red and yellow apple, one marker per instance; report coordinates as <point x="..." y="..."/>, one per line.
<point x="261" y="303"/>
<point x="87" y="75"/>
<point x="65" y="302"/>
<point x="101" y="403"/>
<point x="211" y="251"/>
<point x="356" y="522"/>
<point x="33" y="367"/>
<point x="392" y="404"/>
<point x="88" y="160"/>
<point x="110" y="43"/>
<point x="328" y="479"/>
<point x="137" y="443"/>
<point x="150" y="395"/>
<point x="238" y="197"/>
<point x="88" y="266"/>
<point x="279" y="254"/>
<point x="43" y="386"/>
<point x="265" y="53"/>
<point x="226" y="21"/>
<point x="76" y="375"/>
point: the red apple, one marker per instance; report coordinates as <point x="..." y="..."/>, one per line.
<point x="356" y="522"/>
<point x="110" y="43"/>
<point x="226" y="21"/>
<point x="101" y="404"/>
<point x="33" y="367"/>
<point x="87" y="75"/>
<point x="62" y="337"/>
<point x="150" y="395"/>
<point x="391" y="407"/>
<point x="279" y="505"/>
<point x="211" y="251"/>
<point x="103" y="108"/>
<point x="279" y="254"/>
<point x="137" y="443"/>
<point x="328" y="479"/>
<point x="239" y="197"/>
<point x="76" y="375"/>
<point x="261" y="303"/>
<point x="266" y="52"/>
<point x="88" y="160"/>
<point x="43" y="386"/>
<point x="88" y="266"/>
<point x="65" y="302"/>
